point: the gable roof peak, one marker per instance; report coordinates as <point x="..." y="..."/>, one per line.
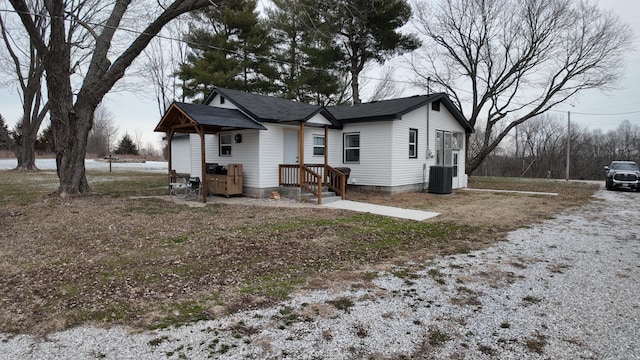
<point x="269" y="108"/>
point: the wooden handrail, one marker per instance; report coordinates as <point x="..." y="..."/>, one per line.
<point x="336" y="181"/>
<point x="314" y="177"/>
<point x="312" y="182"/>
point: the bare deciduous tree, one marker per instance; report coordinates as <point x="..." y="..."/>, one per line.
<point x="517" y="59"/>
<point x="387" y="87"/>
<point x="71" y="111"/>
<point x="27" y="72"/>
<point x="103" y="133"/>
<point x="542" y="144"/>
<point x="161" y="61"/>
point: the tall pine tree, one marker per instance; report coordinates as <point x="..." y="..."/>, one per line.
<point x="308" y="60"/>
<point x="366" y="30"/>
<point x="229" y="46"/>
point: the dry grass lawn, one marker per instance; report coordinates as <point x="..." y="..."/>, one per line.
<point x="112" y="258"/>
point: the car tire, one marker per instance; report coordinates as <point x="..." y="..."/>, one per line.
<point x="607" y="185"/>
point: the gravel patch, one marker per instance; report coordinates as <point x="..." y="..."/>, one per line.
<point x="564" y="289"/>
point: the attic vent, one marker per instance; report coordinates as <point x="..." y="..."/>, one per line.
<point x="435" y="106"/>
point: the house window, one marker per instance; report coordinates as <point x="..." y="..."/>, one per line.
<point x="225" y="144"/>
<point x="318" y="145"/>
<point x="413" y="143"/>
<point x="352" y="148"/>
<point x="444" y="153"/>
<point x="221" y="100"/>
<point x="457" y="141"/>
<point x="435" y="106"/>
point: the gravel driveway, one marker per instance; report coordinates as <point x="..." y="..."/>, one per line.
<point x="565" y="289"/>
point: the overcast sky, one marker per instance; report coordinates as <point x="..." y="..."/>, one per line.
<point x="134" y="114"/>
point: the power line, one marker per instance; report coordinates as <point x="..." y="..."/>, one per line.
<point x="274" y="60"/>
<point x="603" y="114"/>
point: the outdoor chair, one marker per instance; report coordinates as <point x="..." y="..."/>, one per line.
<point x="186" y="188"/>
<point x="194" y="186"/>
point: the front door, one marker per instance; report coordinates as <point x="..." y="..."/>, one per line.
<point x="290" y="147"/>
<point x="455" y="183"/>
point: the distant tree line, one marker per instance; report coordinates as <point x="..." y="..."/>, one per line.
<point x="539" y="150"/>
<point x="99" y="143"/>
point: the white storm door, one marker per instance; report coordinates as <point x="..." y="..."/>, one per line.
<point x="290" y="147"/>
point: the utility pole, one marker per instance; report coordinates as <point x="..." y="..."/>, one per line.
<point x="566" y="172"/>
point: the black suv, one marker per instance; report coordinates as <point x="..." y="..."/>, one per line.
<point x="623" y="175"/>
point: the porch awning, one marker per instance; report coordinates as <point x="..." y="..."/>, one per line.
<point x="187" y="118"/>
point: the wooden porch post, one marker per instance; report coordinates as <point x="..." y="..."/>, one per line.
<point x="203" y="168"/>
<point x="301" y="152"/>
<point x="326" y="147"/>
<point x="169" y="140"/>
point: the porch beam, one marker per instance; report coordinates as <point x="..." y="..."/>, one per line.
<point x="203" y="169"/>
<point x="170" y="163"/>
<point x="326" y="147"/>
<point x="301" y="153"/>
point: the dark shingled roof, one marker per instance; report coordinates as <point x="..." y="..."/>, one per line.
<point x="268" y="108"/>
<point x="394" y="109"/>
<point x="213" y="118"/>
<point x="209" y="115"/>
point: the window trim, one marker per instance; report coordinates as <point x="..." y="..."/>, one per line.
<point x="346" y="148"/>
<point x="222" y="146"/>
<point x="413" y="145"/>
<point x="441" y="148"/>
<point x="457" y="140"/>
<point x="316" y="146"/>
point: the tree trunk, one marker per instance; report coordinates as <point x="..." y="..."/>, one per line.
<point x="355" y="86"/>
<point x="70" y="131"/>
<point x="72" y="119"/>
<point x="31" y="119"/>
<point x="70" y="154"/>
<point x="26" y="153"/>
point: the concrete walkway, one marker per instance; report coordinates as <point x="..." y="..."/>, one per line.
<point x="410" y="214"/>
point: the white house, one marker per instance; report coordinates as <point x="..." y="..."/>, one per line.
<point x="388" y="145"/>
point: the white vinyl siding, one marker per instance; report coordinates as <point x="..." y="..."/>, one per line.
<point x="404" y="169"/>
<point x="318" y="119"/>
<point x="227" y="104"/>
<point x="334" y="145"/>
<point x="374" y="167"/>
<point x="181" y="155"/>
<point x="271" y="154"/>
